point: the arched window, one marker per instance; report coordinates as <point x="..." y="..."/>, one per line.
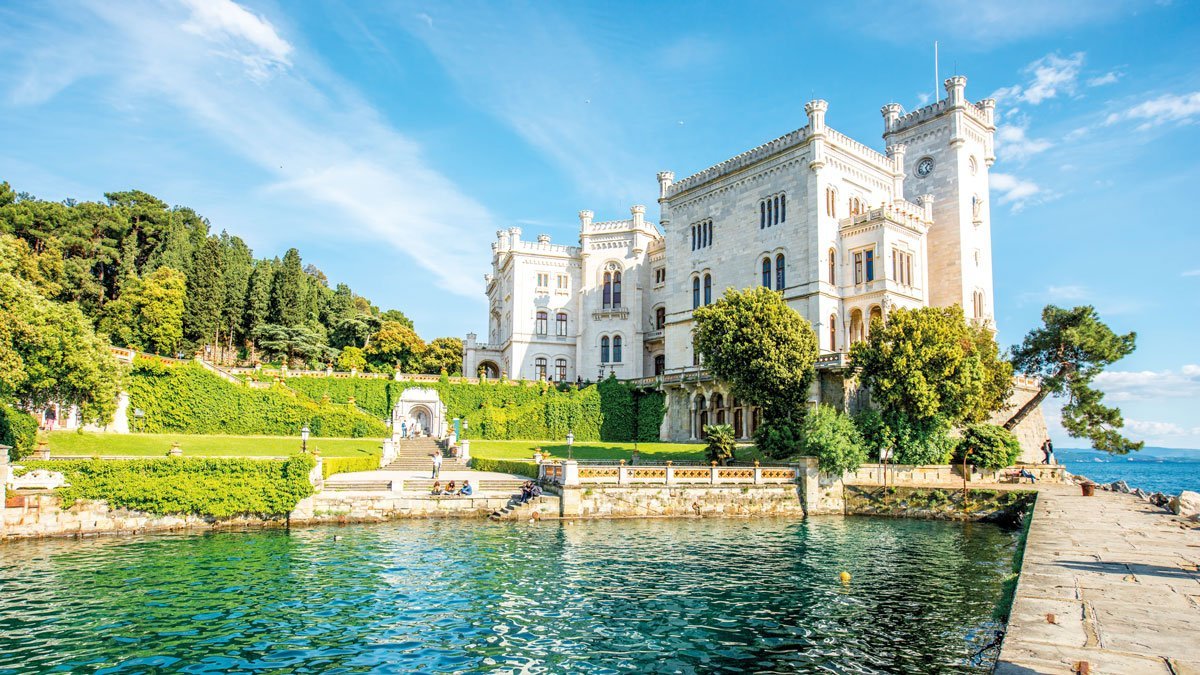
<point x="876" y="314"/>
<point x="832" y="262"/>
<point x="780" y="277"/>
<point x="777" y="210"/>
<point x="762" y="215"/>
<point x="560" y="324"/>
<point x="539" y="367"/>
<point x="766" y="272"/>
<point x="616" y="293"/>
<point x="604" y="349"/>
<point x="833" y="332"/>
<point x="660" y="318"/>
<point x="831" y="202"/>
<point x="707" y="289"/>
<point x="693" y="237"/>
<point x="783" y="208"/>
<point x="607" y="289"/>
<point x="855" y="206"/>
<point x="560" y="370"/>
<point x="856" y="325"/>
<point x="541" y="322"/>
<point x="660" y="364"/>
<point x="617" y="349"/>
<point x="695" y="292"/>
<point x="770" y="214"/>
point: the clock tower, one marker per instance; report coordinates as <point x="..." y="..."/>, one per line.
<point x="948" y="153"/>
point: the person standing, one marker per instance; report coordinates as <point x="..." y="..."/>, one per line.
<point x="437" y="463"/>
<point x="403" y="429"/>
<point x="1047" y="452"/>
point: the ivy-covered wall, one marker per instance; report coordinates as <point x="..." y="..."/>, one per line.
<point x="188" y="399"/>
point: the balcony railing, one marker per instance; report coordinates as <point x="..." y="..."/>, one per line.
<point x="653" y="335"/>
<point x="612" y="312"/>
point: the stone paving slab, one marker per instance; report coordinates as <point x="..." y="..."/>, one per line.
<point x="1119" y="577"/>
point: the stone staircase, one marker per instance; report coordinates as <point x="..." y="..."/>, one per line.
<point x="488" y="487"/>
<point x="412" y="454"/>
<point x="380" y="485"/>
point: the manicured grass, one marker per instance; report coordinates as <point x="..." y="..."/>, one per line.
<point x="87" y="444"/>
<point x="649" y="452"/>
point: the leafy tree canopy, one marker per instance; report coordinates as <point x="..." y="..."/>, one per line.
<point x="395" y="346"/>
<point x="1067" y="352"/>
<point x="830" y="435"/>
<point x="987" y="446"/>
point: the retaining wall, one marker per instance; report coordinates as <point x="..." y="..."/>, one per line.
<point x="43" y="515"/>
<point x="615" y="501"/>
<point x="367" y="507"/>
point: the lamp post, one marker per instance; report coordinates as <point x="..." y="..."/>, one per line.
<point x="570" y="442"/>
<point x="304" y="438"/>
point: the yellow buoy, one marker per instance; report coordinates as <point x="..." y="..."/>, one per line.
<point x="845" y="577"/>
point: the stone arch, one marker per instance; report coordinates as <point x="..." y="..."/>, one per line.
<point x="489" y="370"/>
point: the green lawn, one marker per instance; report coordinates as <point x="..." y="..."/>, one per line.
<point x="650" y="452"/>
<point x="156" y="445"/>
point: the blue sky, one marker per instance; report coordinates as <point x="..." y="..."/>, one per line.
<point x="388" y="141"/>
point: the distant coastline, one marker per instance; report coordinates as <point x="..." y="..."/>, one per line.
<point x="1166" y="470"/>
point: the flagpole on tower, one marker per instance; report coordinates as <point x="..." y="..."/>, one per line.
<point x="936" y="82"/>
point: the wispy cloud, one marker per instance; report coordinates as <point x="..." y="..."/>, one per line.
<point x="1111" y="77"/>
<point x="1165" y="109"/>
<point x="1191" y="273"/>
<point x="1048" y="77"/>
<point x="1016" y="192"/>
<point x="280" y="109"/>
<point x="1123" y="385"/>
<point x="1150" y="430"/>
<point x="1014" y="143"/>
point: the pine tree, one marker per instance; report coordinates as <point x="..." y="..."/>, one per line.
<point x="205" y="294"/>
<point x="288" y="292"/>
<point x="237" y="264"/>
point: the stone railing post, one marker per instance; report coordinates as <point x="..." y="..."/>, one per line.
<point x="570" y="474"/>
<point x="712" y="473"/>
<point x="621" y="473"/>
<point x="669" y="474"/>
<point x="389" y="452"/>
<point x="464" y="450"/>
<point x="317" y="475"/>
<point x="757" y="473"/>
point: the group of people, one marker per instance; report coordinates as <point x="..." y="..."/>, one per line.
<point x="409" y="430"/>
<point x="530" y="490"/>
<point x="452" y="490"/>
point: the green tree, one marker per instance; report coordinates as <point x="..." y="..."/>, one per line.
<point x="352" y="358"/>
<point x="287" y="293"/>
<point x="444" y="353"/>
<point x="160" y="310"/>
<point x="396" y="316"/>
<point x="1067" y="352"/>
<point x="237" y="264"/>
<point x="765" y="350"/>
<point x="258" y="297"/>
<point x="987" y="446"/>
<point x="395" y="346"/>
<point x="830" y="435"/>
<point x="49" y="352"/>
<point x="721" y="443"/>
<point x="295" y="344"/>
<point x="205" y="294"/>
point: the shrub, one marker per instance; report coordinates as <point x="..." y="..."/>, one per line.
<point x="830" y="436"/>
<point x="651" y="407"/>
<point x="18" y="429"/>
<point x="514" y="466"/>
<point x="778" y="438"/>
<point x="335" y="465"/>
<point x="617" y="413"/>
<point x="987" y="446"/>
<point x="928" y="443"/>
<point x="217" y="488"/>
<point x="876" y="435"/>
<point x="721" y="443"/>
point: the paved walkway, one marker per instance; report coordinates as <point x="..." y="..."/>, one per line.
<point x="1119" y="577"/>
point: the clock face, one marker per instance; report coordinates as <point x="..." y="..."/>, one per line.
<point x="925" y="167"/>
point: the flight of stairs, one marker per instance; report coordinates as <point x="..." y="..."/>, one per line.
<point x="481" y="488"/>
<point x="412" y="454"/>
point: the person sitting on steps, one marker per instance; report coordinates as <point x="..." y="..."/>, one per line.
<point x="437" y="488"/>
<point x="449" y="488"/>
<point x="466" y="490"/>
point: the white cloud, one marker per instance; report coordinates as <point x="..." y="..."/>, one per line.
<point x="1124" y="385"/>
<point x="1013" y="143"/>
<point x="1148" y="430"/>
<point x="1182" y="108"/>
<point x="1110" y="77"/>
<point x="1056" y="294"/>
<point x="1191" y="273"/>
<point x="923" y="98"/>
<point x="1015" y="191"/>
<point x="310" y="131"/>
<point x="1050" y="76"/>
<point x="247" y="37"/>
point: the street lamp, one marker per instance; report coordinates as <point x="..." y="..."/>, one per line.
<point x="304" y="439"/>
<point x="570" y="442"/>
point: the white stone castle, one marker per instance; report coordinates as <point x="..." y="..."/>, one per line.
<point x="844" y="232"/>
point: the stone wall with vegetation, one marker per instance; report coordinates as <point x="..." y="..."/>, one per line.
<point x="939" y="503"/>
<point x="612" y="501"/>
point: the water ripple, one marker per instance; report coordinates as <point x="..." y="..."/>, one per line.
<point x="686" y="596"/>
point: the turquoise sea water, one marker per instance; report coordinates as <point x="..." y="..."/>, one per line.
<point x="655" y="596"/>
<point x="1152" y="469"/>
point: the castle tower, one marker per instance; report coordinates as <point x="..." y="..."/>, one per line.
<point x="947" y="153"/>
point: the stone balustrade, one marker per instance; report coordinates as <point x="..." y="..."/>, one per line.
<point x="571" y="473"/>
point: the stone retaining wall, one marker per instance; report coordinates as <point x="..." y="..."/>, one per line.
<point x="367" y="507"/>
<point x="613" y="501"/>
<point x="43" y="515"/>
<point x="932" y="503"/>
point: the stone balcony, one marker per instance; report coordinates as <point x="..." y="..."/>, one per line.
<point x="653" y="335"/>
<point x="611" y="313"/>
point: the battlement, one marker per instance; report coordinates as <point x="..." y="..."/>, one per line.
<point x="901" y="212"/>
<point x="982" y="112"/>
<point x="773" y="147"/>
<point x="508" y="241"/>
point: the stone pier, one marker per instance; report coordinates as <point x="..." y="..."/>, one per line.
<point x="1109" y="584"/>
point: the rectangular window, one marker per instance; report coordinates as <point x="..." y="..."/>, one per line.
<point x="560" y="323"/>
<point x="870" y="264"/>
<point x="858" y="267"/>
<point x="543" y="280"/>
<point x="562" y="281"/>
<point x="909" y="264"/>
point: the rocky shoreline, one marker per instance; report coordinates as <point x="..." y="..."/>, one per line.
<point x="1185" y="504"/>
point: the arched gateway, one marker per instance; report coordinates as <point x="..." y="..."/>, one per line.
<point x="419" y="409"/>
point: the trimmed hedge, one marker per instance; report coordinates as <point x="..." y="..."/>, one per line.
<point x="18" y="429"/>
<point x="514" y="466"/>
<point x="188" y="399"/>
<point x="217" y="488"/>
<point x="334" y="465"/>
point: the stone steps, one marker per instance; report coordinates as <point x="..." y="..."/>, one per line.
<point x="498" y="485"/>
<point x="359" y="485"/>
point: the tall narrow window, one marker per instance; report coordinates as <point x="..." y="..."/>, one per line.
<point x="539" y="367"/>
<point x="560" y="370"/>
<point x="617" y="349"/>
<point x="708" y="242"/>
<point x="783" y="208"/>
<point x="908" y="265"/>
<point x="832" y="262"/>
<point x="777" y="210"/>
<point x="604" y="349"/>
<point x="660" y="318"/>
<point x="693" y="237"/>
<point x="660" y="364"/>
<point x="766" y="272"/>
<point x="762" y="215"/>
<point x="770" y="214"/>
<point x="616" y="293"/>
<point x="541" y="323"/>
<point x="707" y="289"/>
<point x="870" y="264"/>
<point x="607" y="290"/>
<point x="695" y="292"/>
<point x="780" y="277"/>
<point x="833" y="332"/>
<point x="858" y="267"/>
<point x="560" y="324"/>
